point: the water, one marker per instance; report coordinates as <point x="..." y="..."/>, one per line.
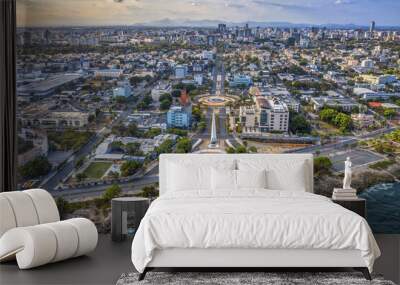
<point x="383" y="207"/>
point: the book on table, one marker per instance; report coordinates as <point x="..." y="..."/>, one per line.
<point x="341" y="190"/>
<point x="344" y="194"/>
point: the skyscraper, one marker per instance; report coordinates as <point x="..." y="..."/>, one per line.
<point x="372" y="27"/>
<point x="221" y="28"/>
<point x="211" y="40"/>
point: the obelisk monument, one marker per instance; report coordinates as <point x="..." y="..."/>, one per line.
<point x="213" y="138"/>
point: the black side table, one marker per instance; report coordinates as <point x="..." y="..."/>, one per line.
<point x="358" y="205"/>
<point x="126" y="214"/>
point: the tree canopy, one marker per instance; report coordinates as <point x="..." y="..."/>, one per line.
<point x="339" y="119"/>
<point x="299" y="124"/>
<point x="184" y="145"/>
<point x="112" y="192"/>
<point x="35" y="168"/>
<point x="322" y="165"/>
<point x="130" y="167"/>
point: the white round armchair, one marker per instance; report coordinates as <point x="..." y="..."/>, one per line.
<point x="31" y="230"/>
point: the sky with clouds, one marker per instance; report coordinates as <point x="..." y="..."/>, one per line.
<point x="126" y="12"/>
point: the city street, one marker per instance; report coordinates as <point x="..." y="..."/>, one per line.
<point x="358" y="158"/>
<point x="60" y="174"/>
<point x="96" y="191"/>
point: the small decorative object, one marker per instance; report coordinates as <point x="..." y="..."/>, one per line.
<point x="345" y="193"/>
<point x="127" y="212"/>
<point x="347" y="174"/>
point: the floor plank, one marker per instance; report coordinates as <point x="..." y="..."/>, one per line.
<point x="103" y="266"/>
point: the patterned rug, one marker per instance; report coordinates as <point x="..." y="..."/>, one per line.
<point x="244" y="278"/>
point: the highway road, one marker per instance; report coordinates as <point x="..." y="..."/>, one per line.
<point x="96" y="191"/>
<point x="221" y="111"/>
<point x="358" y="157"/>
<point x="344" y="143"/>
<point x="222" y="130"/>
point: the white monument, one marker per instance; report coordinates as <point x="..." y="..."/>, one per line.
<point x="347" y="174"/>
<point x="213" y="138"/>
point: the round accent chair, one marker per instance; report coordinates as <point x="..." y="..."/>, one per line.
<point x="31" y="231"/>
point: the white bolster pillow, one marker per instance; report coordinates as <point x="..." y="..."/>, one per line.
<point x="45" y="205"/>
<point x="7" y="217"/>
<point x="87" y="235"/>
<point x="37" y="245"/>
<point x="32" y="246"/>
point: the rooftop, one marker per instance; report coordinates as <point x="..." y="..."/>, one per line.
<point x="48" y="84"/>
<point x="322" y="100"/>
<point x="360" y="91"/>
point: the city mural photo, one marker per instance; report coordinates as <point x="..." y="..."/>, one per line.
<point x="105" y="86"/>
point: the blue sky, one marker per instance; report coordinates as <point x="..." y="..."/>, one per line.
<point x="114" y="12"/>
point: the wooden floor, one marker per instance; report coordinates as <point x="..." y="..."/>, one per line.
<point x="111" y="259"/>
<point x="103" y="266"/>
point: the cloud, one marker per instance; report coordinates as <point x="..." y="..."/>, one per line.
<point x="343" y="2"/>
<point x="234" y="5"/>
<point x="287" y="6"/>
<point x="115" y="12"/>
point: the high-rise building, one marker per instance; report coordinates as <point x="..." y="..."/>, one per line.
<point x="247" y="31"/>
<point x="222" y="28"/>
<point x="211" y="40"/>
<point x="180" y="116"/>
<point x="372" y="27"/>
<point x="46" y="36"/>
<point x="272" y="115"/>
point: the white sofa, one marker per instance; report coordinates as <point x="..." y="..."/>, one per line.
<point x="31" y="231"/>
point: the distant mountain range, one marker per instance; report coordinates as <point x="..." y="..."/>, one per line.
<point x="172" y="23"/>
<point x="214" y="23"/>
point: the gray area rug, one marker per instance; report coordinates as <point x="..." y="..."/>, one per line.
<point x="243" y="278"/>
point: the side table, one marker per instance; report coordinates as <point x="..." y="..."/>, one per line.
<point x="358" y="205"/>
<point x="126" y="214"/>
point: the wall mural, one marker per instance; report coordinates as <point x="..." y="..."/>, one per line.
<point x="105" y="87"/>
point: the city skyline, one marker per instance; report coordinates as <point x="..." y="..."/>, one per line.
<point x="42" y="13"/>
